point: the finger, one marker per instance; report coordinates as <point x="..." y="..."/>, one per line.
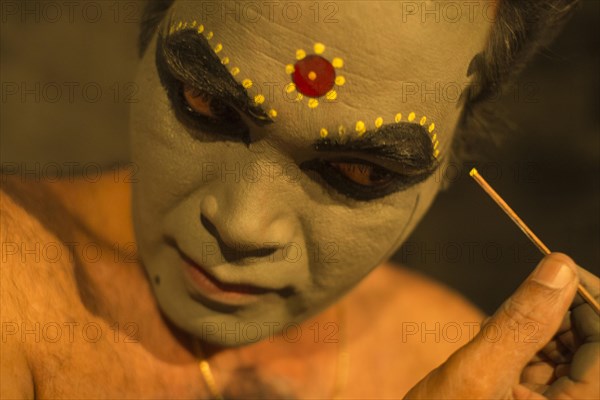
<point x="539" y="373"/>
<point x="557" y="352"/>
<point x="566" y="335"/>
<point x="565" y="325"/>
<point x="586" y="323"/>
<point x="535" y="311"/>
<point x="489" y="365"/>
<point x="581" y="378"/>
<point x="525" y="323"/>
<point x="585" y="367"/>
<point x="540" y="357"/>
<point x="570" y="340"/>
<point x="590" y="282"/>
<point x="562" y="370"/>
<point x="522" y="392"/>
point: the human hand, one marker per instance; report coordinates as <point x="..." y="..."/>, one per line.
<point x="548" y="344"/>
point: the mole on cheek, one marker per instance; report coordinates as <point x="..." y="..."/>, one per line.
<point x="157" y="279"/>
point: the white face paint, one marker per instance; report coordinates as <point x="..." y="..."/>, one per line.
<point x="245" y="207"/>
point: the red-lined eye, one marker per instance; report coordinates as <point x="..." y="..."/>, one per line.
<point x="197" y="101"/>
<point x="363" y="174"/>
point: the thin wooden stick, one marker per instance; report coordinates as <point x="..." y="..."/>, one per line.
<point x="528" y="232"/>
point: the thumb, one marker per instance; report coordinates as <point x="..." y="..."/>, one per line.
<point x="491" y="364"/>
<point x="525" y="322"/>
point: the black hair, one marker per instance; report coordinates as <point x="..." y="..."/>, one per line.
<point x="152" y="15"/>
<point x="521" y="28"/>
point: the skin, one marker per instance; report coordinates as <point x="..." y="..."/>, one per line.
<point x="559" y="358"/>
<point x="157" y="360"/>
<point x="170" y="204"/>
<point x="169" y="194"/>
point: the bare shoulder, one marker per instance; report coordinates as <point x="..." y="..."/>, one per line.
<point x="413" y="295"/>
<point x="37" y="282"/>
<point x="33" y="251"/>
<point x="408" y="322"/>
<point x="17" y="230"/>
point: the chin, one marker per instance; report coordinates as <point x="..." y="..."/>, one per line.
<point x="227" y="328"/>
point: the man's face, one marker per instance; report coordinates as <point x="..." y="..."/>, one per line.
<point x="286" y="149"/>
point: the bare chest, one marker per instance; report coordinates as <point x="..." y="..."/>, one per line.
<point x="78" y="355"/>
<point x="82" y="357"/>
<point x="92" y="359"/>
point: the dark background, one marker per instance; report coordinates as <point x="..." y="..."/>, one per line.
<point x="546" y="169"/>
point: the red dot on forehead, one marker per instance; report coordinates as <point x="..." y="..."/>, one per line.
<point x="313" y="76"/>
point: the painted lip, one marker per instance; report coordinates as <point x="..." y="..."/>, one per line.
<point x="208" y="287"/>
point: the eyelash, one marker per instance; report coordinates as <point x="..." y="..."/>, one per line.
<point x="227" y="122"/>
<point x="220" y="111"/>
<point x="337" y="179"/>
<point x="224" y="121"/>
<point x="334" y="172"/>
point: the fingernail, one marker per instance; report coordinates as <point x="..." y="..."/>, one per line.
<point x="553" y="273"/>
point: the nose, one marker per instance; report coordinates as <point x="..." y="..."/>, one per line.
<point x="247" y="222"/>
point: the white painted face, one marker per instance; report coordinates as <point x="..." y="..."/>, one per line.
<point x="288" y="201"/>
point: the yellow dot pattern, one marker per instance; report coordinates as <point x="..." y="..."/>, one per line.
<point x="337" y="62"/>
<point x="434" y="140"/>
<point x="330" y="96"/>
<point x="360" y="128"/>
<point x="247" y="83"/>
<point x="290" y="87"/>
<point x="319" y="48"/>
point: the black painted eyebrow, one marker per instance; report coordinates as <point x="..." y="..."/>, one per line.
<point x="404" y="147"/>
<point x="188" y="56"/>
